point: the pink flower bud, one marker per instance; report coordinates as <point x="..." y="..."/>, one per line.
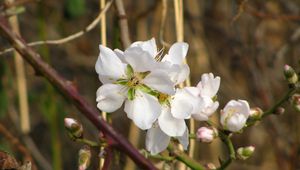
<point x="205" y="134"/>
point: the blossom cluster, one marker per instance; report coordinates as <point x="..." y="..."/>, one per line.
<point x="147" y="81"/>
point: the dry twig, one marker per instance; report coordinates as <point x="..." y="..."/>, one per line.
<point x="91" y="26"/>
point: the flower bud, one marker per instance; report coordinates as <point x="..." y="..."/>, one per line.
<point x="256" y="113"/>
<point x="279" y="111"/>
<point x="74" y="127"/>
<point x="84" y="157"/>
<point x="290" y="74"/>
<point x="244" y="153"/>
<point x="205" y="134"/>
<point x="295" y="101"/>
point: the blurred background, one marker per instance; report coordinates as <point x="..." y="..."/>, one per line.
<point x="246" y="43"/>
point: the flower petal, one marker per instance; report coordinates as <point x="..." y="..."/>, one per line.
<point x="149" y="46"/>
<point x="109" y="66"/>
<point x="184" y="139"/>
<point x="156" y="140"/>
<point x="139" y="59"/>
<point x="209" y="107"/>
<point x="177" y="53"/>
<point x="169" y="124"/>
<point x="159" y="80"/>
<point x="184" y="104"/>
<point x="144" y="109"/>
<point x="209" y="85"/>
<point x="120" y="54"/>
<point x="110" y="97"/>
<point x="236" y="122"/>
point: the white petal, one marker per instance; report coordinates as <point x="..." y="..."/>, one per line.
<point x="110" y="97"/>
<point x="139" y="59"/>
<point x="209" y="107"/>
<point x="183" y="74"/>
<point x="149" y="46"/>
<point x="209" y="85"/>
<point x="169" y="124"/>
<point x="160" y="81"/>
<point x="109" y="66"/>
<point x="184" y="139"/>
<point x="236" y="122"/>
<point x="120" y="54"/>
<point x="156" y="140"/>
<point x="184" y="104"/>
<point x="200" y="116"/>
<point x="143" y="110"/>
<point x="177" y="53"/>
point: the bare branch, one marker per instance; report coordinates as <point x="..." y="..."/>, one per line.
<point x="125" y="38"/>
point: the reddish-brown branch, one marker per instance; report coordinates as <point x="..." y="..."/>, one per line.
<point x="69" y="90"/>
<point x="263" y="15"/>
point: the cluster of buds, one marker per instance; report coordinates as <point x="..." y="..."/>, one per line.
<point x="74" y="128"/>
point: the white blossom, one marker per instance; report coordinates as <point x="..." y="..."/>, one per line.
<point x="131" y="76"/>
<point x="206" y="90"/>
<point x="235" y="114"/>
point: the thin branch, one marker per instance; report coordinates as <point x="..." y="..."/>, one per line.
<point x="286" y="17"/>
<point x="21" y="81"/>
<point x="163" y="23"/>
<point x="91" y="26"/>
<point x="125" y="36"/>
<point x="227" y="141"/>
<point x="69" y="90"/>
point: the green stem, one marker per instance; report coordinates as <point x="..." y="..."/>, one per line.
<point x="182" y="157"/>
<point x="272" y="110"/>
<point x="226" y="139"/>
<point x="279" y="103"/>
<point x="162" y="158"/>
<point x="87" y="142"/>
